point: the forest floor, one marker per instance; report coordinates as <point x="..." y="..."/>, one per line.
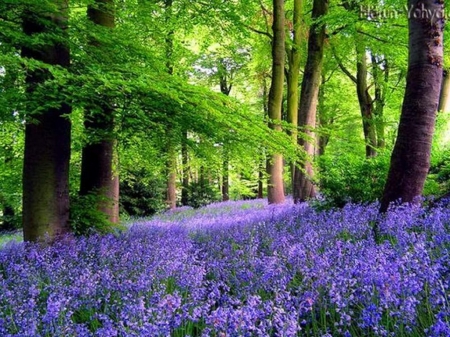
<point x="238" y="269"/>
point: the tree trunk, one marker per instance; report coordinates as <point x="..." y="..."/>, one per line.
<point x="171" y="186"/>
<point x="225" y="177"/>
<point x="275" y="191"/>
<point x="261" y="177"/>
<point x="98" y="174"/>
<point x="263" y="161"/>
<point x="324" y="122"/>
<point x="47" y="135"/>
<point x="225" y="88"/>
<point x="365" y="101"/>
<point x="292" y="74"/>
<point x="410" y="159"/>
<point x="171" y="192"/>
<point x="312" y="77"/>
<point x="380" y="99"/>
<point x="444" y="100"/>
<point x="185" y="160"/>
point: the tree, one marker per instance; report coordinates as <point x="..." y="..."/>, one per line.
<point x="225" y="70"/>
<point x="381" y="79"/>
<point x="185" y="172"/>
<point x="410" y="158"/>
<point x="366" y="103"/>
<point x="444" y="99"/>
<point x="312" y="78"/>
<point x="47" y="132"/>
<point x="171" y="163"/>
<point x="99" y="176"/>
<point x="293" y="73"/>
<point x="275" y="193"/>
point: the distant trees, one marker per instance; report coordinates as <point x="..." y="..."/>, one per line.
<point x="156" y="83"/>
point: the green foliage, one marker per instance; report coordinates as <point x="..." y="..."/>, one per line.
<point x="438" y="180"/>
<point x="432" y="186"/>
<point x="86" y="219"/>
<point x="213" y="40"/>
<point x="244" y="189"/>
<point x="10" y="221"/>
<point x="140" y="195"/>
<point x="348" y="177"/>
<point x="11" y="151"/>
<point x="201" y="194"/>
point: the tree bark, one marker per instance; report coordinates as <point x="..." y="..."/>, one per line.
<point x="98" y="174"/>
<point x="275" y="192"/>
<point x="312" y="77"/>
<point x="380" y="99"/>
<point x="185" y="159"/>
<point x="263" y="161"/>
<point x="365" y="101"/>
<point x="410" y="159"/>
<point x="47" y="136"/>
<point x="324" y="122"/>
<point x="444" y="100"/>
<point x="171" y="193"/>
<point x="225" y="176"/>
<point x="292" y="76"/>
<point x="225" y="88"/>
<point x="171" y="187"/>
<point x="261" y="177"/>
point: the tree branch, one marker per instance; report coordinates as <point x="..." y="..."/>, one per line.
<point x="372" y="36"/>
<point x="259" y="31"/>
<point x="344" y="70"/>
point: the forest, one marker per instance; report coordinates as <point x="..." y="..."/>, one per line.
<point x="224" y="168"/>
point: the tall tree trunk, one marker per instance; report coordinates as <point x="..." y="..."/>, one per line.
<point x="263" y="161"/>
<point x="275" y="192"/>
<point x="292" y="76"/>
<point x="410" y="159"/>
<point x="324" y="121"/>
<point x="202" y="181"/>
<point x="171" y="186"/>
<point x="171" y="192"/>
<point x="261" y="177"/>
<point x="185" y="160"/>
<point x="225" y="88"/>
<point x="365" y="101"/>
<point x="225" y="176"/>
<point x="444" y="100"/>
<point x="366" y="104"/>
<point x="47" y="136"/>
<point x="304" y="173"/>
<point x="98" y="174"/>
<point x="380" y="99"/>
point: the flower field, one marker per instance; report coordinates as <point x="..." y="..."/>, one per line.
<point x="238" y="269"/>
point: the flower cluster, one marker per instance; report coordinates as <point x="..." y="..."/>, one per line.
<point x="238" y="269"/>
